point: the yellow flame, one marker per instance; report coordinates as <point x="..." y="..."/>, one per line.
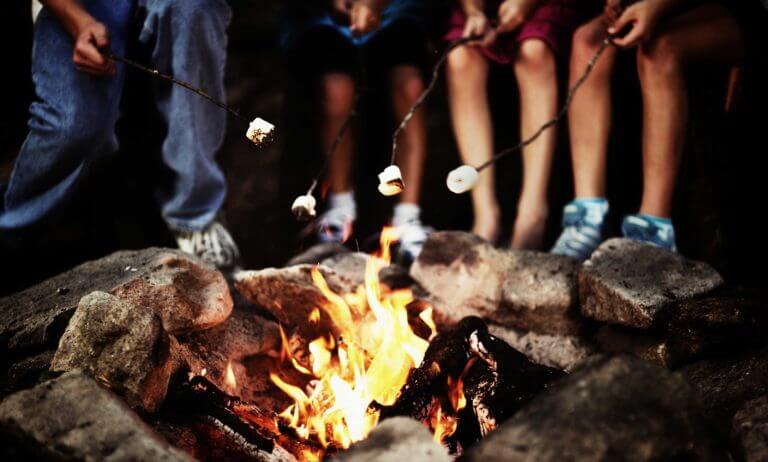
<point x="364" y="364"/>
<point x="229" y="377"/>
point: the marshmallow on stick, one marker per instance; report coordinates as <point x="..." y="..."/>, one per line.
<point x="303" y="207"/>
<point x="259" y="130"/>
<point x="462" y="179"/>
<point x="391" y="181"/>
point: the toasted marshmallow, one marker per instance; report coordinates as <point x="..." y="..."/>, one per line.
<point x="303" y="207"/>
<point x="391" y="181"/>
<point x="462" y="179"/>
<point x="259" y="130"/>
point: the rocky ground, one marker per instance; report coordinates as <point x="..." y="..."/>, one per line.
<point x="664" y="360"/>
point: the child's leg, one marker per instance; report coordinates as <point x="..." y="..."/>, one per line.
<point x="536" y="73"/>
<point x="589" y="118"/>
<point x="706" y="33"/>
<point x="407" y="85"/>
<point x="467" y="74"/>
<point x="337" y="99"/>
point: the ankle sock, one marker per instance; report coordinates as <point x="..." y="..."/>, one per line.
<point x="343" y="202"/>
<point x="405" y="213"/>
<point x="596" y="209"/>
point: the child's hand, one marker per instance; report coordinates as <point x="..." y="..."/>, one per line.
<point x="512" y="13"/>
<point x="643" y="16"/>
<point x="364" y="16"/>
<point x="341" y="7"/>
<point x="477" y="25"/>
<point x="612" y="11"/>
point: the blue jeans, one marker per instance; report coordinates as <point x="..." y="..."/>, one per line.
<point x="73" y="119"/>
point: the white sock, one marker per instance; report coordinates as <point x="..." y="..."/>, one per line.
<point x="343" y="202"/>
<point x="405" y="213"/>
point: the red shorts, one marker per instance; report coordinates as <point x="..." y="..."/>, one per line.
<point x="552" y="21"/>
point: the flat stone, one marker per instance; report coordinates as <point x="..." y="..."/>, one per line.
<point x="564" y="352"/>
<point x="72" y="418"/>
<point x="188" y="295"/>
<point x="397" y="439"/>
<point x="618" y="408"/>
<point x="462" y="272"/>
<point x="37" y="316"/>
<point x="639" y="343"/>
<point x="540" y="294"/>
<point x="349" y="264"/>
<point x="726" y="383"/>
<point x="317" y="253"/>
<point x="750" y="430"/>
<point x="120" y="344"/>
<point x="634" y="284"/>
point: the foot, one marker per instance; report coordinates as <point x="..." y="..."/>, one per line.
<point x="651" y="230"/>
<point x="487" y="226"/>
<point x="412" y="236"/>
<point x="213" y="245"/>
<point x="582" y="228"/>
<point x="335" y="225"/>
<point x="529" y="230"/>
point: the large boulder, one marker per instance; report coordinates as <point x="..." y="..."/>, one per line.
<point x="466" y="276"/>
<point x="120" y="344"/>
<point x="72" y="418"/>
<point x="618" y="408"/>
<point x="396" y="440"/>
<point x="635" y="284"/>
<point x="351" y="265"/>
<point x="750" y="430"/>
<point x="37" y="316"/>
<point x="187" y="295"/>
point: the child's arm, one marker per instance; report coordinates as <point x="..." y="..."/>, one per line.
<point x="643" y="16"/>
<point x="477" y="24"/>
<point x="512" y="13"/>
<point x="365" y="15"/>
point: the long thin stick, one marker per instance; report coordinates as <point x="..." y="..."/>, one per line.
<point x="435" y="74"/>
<point x="563" y="110"/>
<point x="157" y="74"/>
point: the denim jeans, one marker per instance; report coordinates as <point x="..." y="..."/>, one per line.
<point x="73" y="118"/>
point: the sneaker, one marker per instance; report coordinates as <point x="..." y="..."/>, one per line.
<point x="651" y="230"/>
<point x="213" y="245"/>
<point x="412" y="236"/>
<point x="335" y="225"/>
<point x="582" y="228"/>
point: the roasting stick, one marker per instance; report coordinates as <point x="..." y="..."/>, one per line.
<point x="259" y="130"/>
<point x="463" y="178"/>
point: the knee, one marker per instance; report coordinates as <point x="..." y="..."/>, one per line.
<point x="534" y="56"/>
<point x="462" y="61"/>
<point x="585" y="42"/>
<point x="338" y="95"/>
<point x="660" y="56"/>
<point x="407" y="85"/>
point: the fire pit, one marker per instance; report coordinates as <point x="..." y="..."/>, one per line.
<point x="476" y="352"/>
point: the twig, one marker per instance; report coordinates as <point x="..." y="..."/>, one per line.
<point x="435" y="74"/>
<point x="552" y="122"/>
<point x="157" y="74"/>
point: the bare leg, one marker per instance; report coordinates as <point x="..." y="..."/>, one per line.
<point x="707" y="33"/>
<point x="407" y="86"/>
<point x="467" y="74"/>
<point x="338" y="96"/>
<point x="536" y="72"/>
<point x="589" y="118"/>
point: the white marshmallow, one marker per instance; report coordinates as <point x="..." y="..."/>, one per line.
<point x="391" y="181"/>
<point x="462" y="179"/>
<point x="303" y="207"/>
<point x="259" y="130"/>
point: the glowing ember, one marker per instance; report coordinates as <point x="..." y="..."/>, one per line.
<point x="229" y="377"/>
<point x="368" y="361"/>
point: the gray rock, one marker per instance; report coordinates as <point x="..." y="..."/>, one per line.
<point x="72" y="418"/>
<point x="187" y="295"/>
<point x="611" y="409"/>
<point x="726" y="383"/>
<point x="120" y="344"/>
<point x="463" y="274"/>
<point x="349" y="264"/>
<point x="37" y="316"/>
<point x="559" y="351"/>
<point x="317" y="253"/>
<point x="540" y="294"/>
<point x="634" y="284"/>
<point x="27" y="372"/>
<point x="397" y="439"/>
<point x="642" y="344"/>
<point x="750" y="430"/>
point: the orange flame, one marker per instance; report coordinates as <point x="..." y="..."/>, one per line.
<point x="444" y="424"/>
<point x="368" y="362"/>
<point x="229" y="377"/>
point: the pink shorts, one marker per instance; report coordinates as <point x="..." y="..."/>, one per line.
<point x="552" y="22"/>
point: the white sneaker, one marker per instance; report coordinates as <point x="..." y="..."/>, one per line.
<point x="213" y="245"/>
<point x="412" y="236"/>
<point x="335" y="225"/>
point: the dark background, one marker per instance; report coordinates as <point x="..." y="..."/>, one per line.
<point x="720" y="204"/>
